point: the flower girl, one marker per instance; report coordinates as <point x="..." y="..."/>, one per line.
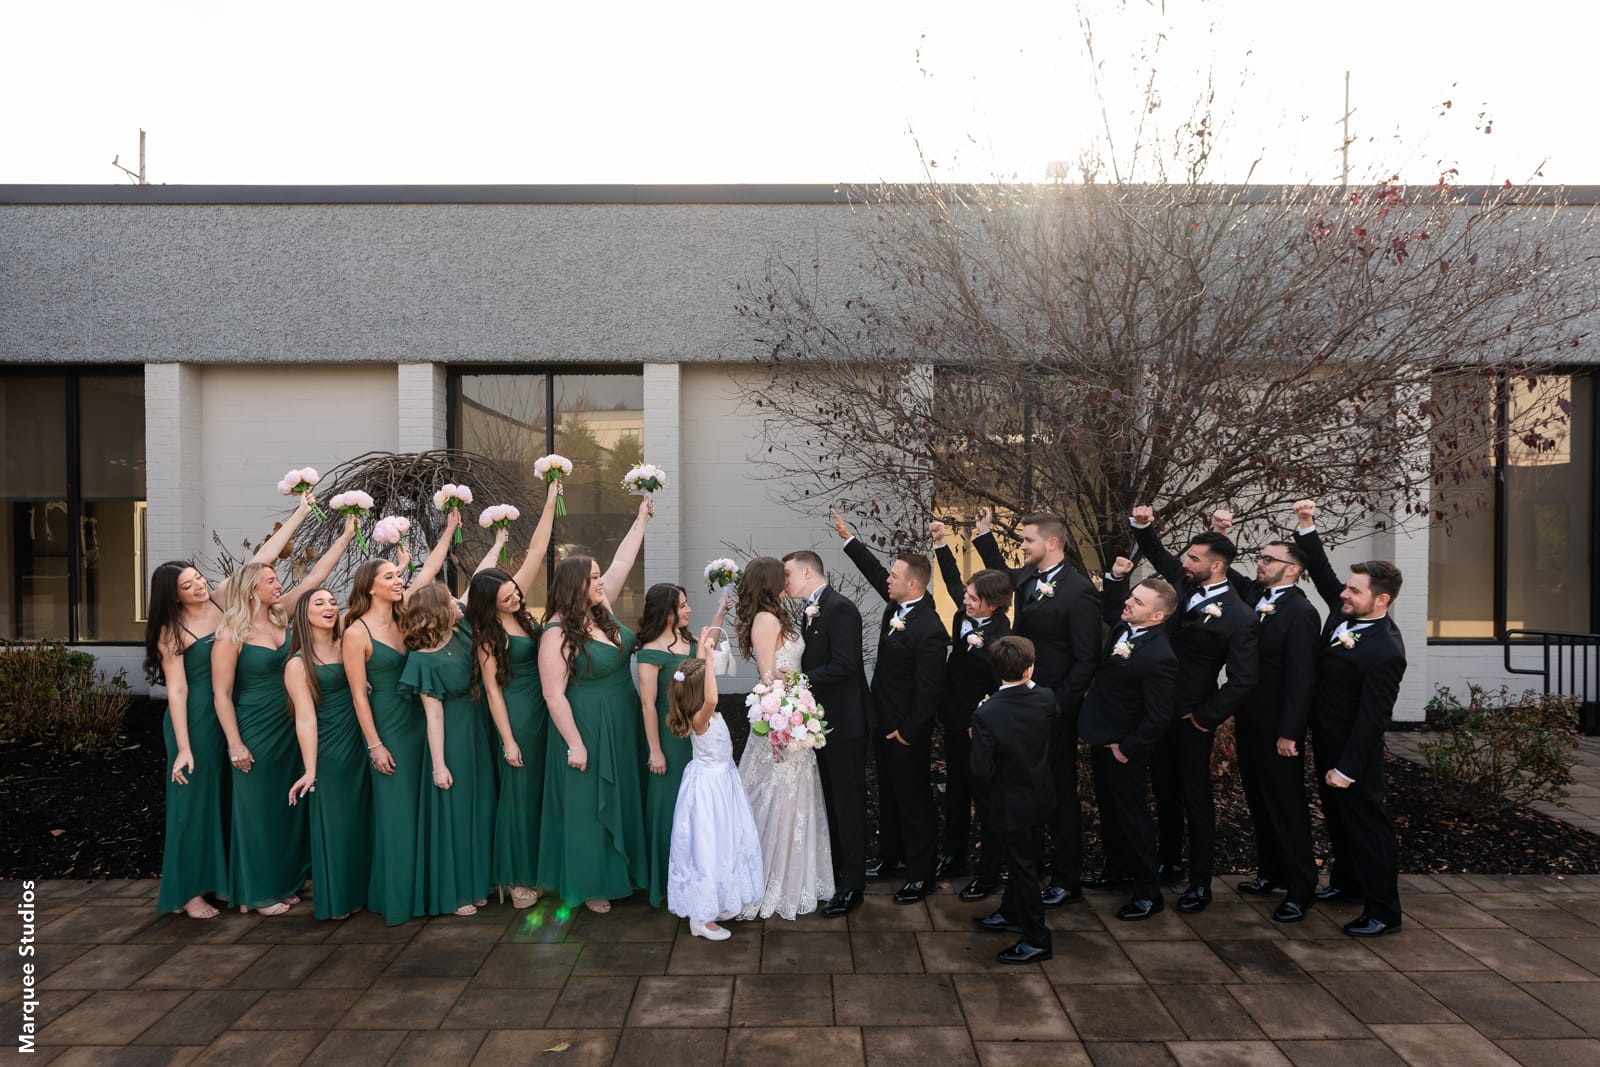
<point x="714" y="869"/>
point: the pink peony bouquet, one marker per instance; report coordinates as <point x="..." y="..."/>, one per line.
<point x="721" y="573"/>
<point x="390" y="530"/>
<point x="499" y="517"/>
<point x="553" y="468"/>
<point x="786" y="714"/>
<point x="354" y="502"/>
<point x="298" y="483"/>
<point x="452" y="498"/>
<point x="647" y="479"/>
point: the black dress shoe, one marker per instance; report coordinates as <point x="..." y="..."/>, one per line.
<point x="911" y="892"/>
<point x="1194" y="899"/>
<point x="1054" y="895"/>
<point x="843" y="903"/>
<point x="1259" y="887"/>
<point x="1328" y="893"/>
<point x="979" y="888"/>
<point x="1367" y="926"/>
<point x="1288" y="912"/>
<point x="1108" y="881"/>
<point x="882" y="869"/>
<point x="1022" y="952"/>
<point x="1169" y="872"/>
<point x="997" y="922"/>
<point x="1140" y="908"/>
<point x="947" y="865"/>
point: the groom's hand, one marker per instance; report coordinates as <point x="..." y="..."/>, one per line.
<point x="840" y="527"/>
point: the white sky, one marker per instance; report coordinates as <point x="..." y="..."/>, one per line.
<point x="348" y="91"/>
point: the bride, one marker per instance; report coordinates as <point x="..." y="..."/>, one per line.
<point x="785" y="791"/>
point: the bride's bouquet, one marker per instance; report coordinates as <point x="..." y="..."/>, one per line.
<point x="786" y="714"/>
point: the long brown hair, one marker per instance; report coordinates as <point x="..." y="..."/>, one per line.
<point x="361" y="592"/>
<point x="569" y="598"/>
<point x="687" y="697"/>
<point x="661" y="614"/>
<point x="302" y="640"/>
<point x="761" y="589"/>
<point x="429" y="618"/>
<point x="488" y="632"/>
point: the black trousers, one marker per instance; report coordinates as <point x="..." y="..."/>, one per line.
<point x="1275" y="789"/>
<point x="957" y="790"/>
<point x="1366" y="859"/>
<point x="1127" y="832"/>
<point x="1020" y="903"/>
<point x="908" y="818"/>
<point x="1066" y="825"/>
<point x="842" y="766"/>
<point x="1180" y="777"/>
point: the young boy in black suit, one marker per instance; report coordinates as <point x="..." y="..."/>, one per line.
<point x="1011" y="760"/>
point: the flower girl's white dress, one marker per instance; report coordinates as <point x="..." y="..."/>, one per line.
<point x="714" y="869"/>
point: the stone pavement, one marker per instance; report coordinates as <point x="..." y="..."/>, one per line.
<point x="1486" y="971"/>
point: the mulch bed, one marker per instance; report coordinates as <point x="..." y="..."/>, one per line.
<point x="90" y="817"/>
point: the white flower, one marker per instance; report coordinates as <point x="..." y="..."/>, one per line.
<point x="1269" y="608"/>
<point x="812" y="610"/>
<point x="1211" y="611"/>
<point x="677" y="676"/>
<point x="1349" y="638"/>
<point x="1047" y="589"/>
<point x="497" y="514"/>
<point x="352" y="498"/>
<point x="310" y="476"/>
<point x="451" y="496"/>
<point x="1122" y="649"/>
<point x="897" y="624"/>
<point x="975" y="639"/>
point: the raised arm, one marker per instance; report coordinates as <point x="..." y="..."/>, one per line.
<point x="273" y="546"/>
<point x="1114" y="591"/>
<point x="954" y="584"/>
<point x="435" y="562"/>
<point x="1144" y="535"/>
<point x="1323" y="576"/>
<point x="305" y="726"/>
<point x="324" y="566"/>
<point x="553" y="675"/>
<point x="867" y="563"/>
<point x="983" y="540"/>
<point x="539" y="543"/>
<point x="628" y="550"/>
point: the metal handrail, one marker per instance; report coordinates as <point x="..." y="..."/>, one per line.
<point x="1560" y="653"/>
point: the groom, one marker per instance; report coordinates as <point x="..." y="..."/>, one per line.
<point x="831" y="626"/>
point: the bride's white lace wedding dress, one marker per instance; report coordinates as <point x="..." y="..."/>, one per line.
<point x="786" y="799"/>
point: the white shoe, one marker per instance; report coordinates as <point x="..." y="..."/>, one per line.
<point x="709" y="931"/>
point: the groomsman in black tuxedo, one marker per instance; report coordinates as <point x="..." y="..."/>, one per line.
<point x="969" y="677"/>
<point x="1125" y="715"/>
<point x="1211" y="629"/>
<point x="831" y="625"/>
<point x="1011" y="763"/>
<point x="1059" y="611"/>
<point x="1270" y="727"/>
<point x="907" y="688"/>
<point x="1359" y="668"/>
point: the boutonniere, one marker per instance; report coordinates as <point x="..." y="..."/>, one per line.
<point x="1122" y="649"/>
<point x="1046" y="589"/>
<point x="975" y="639"/>
<point x="897" y="624"/>
<point x="812" y="611"/>
<point x="1348" y="639"/>
<point x="1211" y="611"/>
<point x="984" y="701"/>
<point x="1269" y="608"/>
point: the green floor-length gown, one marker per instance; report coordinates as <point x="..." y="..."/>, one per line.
<point x="195" y="856"/>
<point x="341" y="807"/>
<point x="592" y="840"/>
<point x="269" y="852"/>
<point x="397" y="797"/>
<point x="455" y="838"/>
<point x="516" y="824"/>
<point x="661" y="790"/>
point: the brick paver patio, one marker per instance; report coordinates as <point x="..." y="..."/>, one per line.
<point x="1487" y="970"/>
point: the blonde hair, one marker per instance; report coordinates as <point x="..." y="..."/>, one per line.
<point x="687" y="697"/>
<point x="429" y="618"/>
<point x="239" y="609"/>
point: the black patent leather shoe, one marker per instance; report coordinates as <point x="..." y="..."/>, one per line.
<point x="1288" y="912"/>
<point x="997" y="922"/>
<point x="1140" y="908"/>
<point x="1331" y="893"/>
<point x="880" y="869"/>
<point x="1367" y="926"/>
<point x="1054" y="895"/>
<point x="1259" y="887"/>
<point x="1022" y="952"/>
<point x="843" y="903"/>
<point x="1194" y="899"/>
<point x="1169" y="872"/>
<point x="911" y="892"/>
<point x="947" y="865"/>
<point x="1108" y="881"/>
<point x="979" y="888"/>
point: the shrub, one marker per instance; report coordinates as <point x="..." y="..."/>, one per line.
<point x="1501" y="749"/>
<point x="53" y="695"/>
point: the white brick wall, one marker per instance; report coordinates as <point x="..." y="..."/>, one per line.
<point x="423" y="413"/>
<point x="663" y="551"/>
<point x="173" y="401"/>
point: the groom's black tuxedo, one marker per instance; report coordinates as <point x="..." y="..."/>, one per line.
<point x="1354" y="702"/>
<point x="832" y="663"/>
<point x="907" y="689"/>
<point x="1064" y="627"/>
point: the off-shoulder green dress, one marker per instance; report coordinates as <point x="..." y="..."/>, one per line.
<point x="195" y="854"/>
<point x="661" y="790"/>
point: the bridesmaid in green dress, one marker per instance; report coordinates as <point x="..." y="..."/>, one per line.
<point x="333" y="756"/>
<point x="664" y="642"/>
<point x="183" y="615"/>
<point x="592" y="841"/>
<point x="268" y="853"/>
<point x="456" y="837"/>
<point x="505" y="669"/>
<point x="392" y="725"/>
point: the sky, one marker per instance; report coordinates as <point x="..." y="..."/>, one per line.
<point x="347" y="91"/>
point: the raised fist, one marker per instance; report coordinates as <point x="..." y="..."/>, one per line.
<point x="1143" y="514"/>
<point x="1222" y="520"/>
<point x="1306" y="512"/>
<point x="984" y="522"/>
<point x="936" y="531"/>
<point x="1121" y="567"/>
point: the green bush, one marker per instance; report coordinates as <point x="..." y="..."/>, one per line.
<point x="53" y="695"/>
<point x="1501" y="749"/>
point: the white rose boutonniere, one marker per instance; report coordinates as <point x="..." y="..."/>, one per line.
<point x="1047" y="589"/>
<point x="1348" y="639"/>
<point x="1269" y="608"/>
<point x="897" y="624"/>
<point x="1122" y="650"/>
<point x="1211" y="611"/>
<point x="975" y="640"/>
<point x="812" y="611"/>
